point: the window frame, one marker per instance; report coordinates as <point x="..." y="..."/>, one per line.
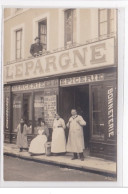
<point x="39" y="33"/>
<point x="21" y="38"/>
<point x="65" y="36"/>
<point x="108" y="21"/>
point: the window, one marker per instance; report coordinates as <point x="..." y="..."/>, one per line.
<point x="97" y="112"/>
<point x="19" y="44"/>
<point x="38" y="109"/>
<point x="43" y="33"/>
<point x="17" y="110"/>
<point x="70" y="25"/>
<point x="106" y="21"/>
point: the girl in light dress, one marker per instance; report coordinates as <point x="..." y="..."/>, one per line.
<point x="58" y="144"/>
<point x="37" y="145"/>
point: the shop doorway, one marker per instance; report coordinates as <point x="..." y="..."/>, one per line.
<point x="27" y="108"/>
<point x="76" y="97"/>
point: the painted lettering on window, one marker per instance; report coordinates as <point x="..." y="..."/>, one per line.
<point x="110" y="113"/>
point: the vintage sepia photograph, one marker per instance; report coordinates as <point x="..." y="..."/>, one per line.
<point x="60" y="94"/>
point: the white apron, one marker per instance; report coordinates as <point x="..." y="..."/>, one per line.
<point x="58" y="143"/>
<point x="37" y="145"/>
<point x="75" y="138"/>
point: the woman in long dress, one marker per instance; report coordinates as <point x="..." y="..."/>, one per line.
<point x="37" y="145"/>
<point x="21" y="141"/>
<point x="58" y="144"/>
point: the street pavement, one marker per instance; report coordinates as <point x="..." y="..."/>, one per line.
<point x="90" y="164"/>
<point x="16" y="169"/>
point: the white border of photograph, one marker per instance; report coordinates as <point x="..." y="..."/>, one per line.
<point x="81" y="4"/>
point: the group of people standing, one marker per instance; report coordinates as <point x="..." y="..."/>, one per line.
<point x="75" y="142"/>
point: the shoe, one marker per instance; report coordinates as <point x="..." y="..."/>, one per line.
<point x="82" y="159"/>
<point x="74" y="158"/>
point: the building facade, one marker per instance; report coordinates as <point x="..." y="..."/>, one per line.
<point x="76" y="69"/>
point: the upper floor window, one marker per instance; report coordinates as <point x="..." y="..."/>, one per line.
<point x="42" y="32"/>
<point x="106" y="21"/>
<point x="18" y="44"/>
<point x="70" y="23"/>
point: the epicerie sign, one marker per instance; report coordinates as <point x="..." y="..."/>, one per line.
<point x="37" y="85"/>
<point x="81" y="79"/>
<point x="83" y="57"/>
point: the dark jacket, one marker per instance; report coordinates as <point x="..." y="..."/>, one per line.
<point x="35" y="48"/>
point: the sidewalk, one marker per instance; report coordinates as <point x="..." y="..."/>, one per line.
<point x="90" y="164"/>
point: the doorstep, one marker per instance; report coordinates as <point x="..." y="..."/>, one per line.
<point x="90" y="164"/>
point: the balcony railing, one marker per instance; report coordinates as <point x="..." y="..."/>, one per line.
<point x="69" y="46"/>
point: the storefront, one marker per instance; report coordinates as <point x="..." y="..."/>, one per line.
<point x="84" y="78"/>
<point x="30" y="101"/>
<point x="94" y="96"/>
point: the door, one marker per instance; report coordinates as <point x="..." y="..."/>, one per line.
<point x="82" y="106"/>
<point x="67" y="102"/>
<point x="76" y="97"/>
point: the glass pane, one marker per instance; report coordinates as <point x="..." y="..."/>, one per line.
<point x="27" y="111"/>
<point x="68" y="25"/>
<point x="38" y="109"/>
<point x="103" y="15"/>
<point x="74" y="25"/>
<point x="43" y="32"/>
<point x="43" y="29"/>
<point x="43" y="38"/>
<point x="18" y="35"/>
<point x="97" y="112"/>
<point x="103" y="28"/>
<point x="45" y="46"/>
<point x="18" y="54"/>
<point x="18" y="44"/>
<point x="112" y="26"/>
<point x="111" y="12"/>
<point x="17" y="107"/>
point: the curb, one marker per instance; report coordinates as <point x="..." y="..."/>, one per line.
<point x="63" y="165"/>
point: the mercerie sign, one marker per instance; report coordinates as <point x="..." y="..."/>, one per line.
<point x="84" y="57"/>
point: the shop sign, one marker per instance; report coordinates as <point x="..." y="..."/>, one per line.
<point x="93" y="55"/>
<point x="37" y="85"/>
<point x="110" y="113"/>
<point x="81" y="79"/>
<point x="49" y="109"/>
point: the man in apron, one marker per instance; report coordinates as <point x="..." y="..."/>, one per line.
<point x="75" y="142"/>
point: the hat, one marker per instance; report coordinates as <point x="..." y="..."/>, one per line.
<point x="37" y="38"/>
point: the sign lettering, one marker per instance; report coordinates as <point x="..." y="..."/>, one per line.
<point x="81" y="79"/>
<point x="84" y="57"/>
<point x="37" y="85"/>
<point x="110" y="113"/>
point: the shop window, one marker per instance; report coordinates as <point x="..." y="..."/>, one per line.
<point x="19" y="44"/>
<point x="106" y="21"/>
<point x="27" y="111"/>
<point x="70" y="26"/>
<point x="97" y="112"/>
<point x="38" y="109"/>
<point x="17" y="110"/>
<point x="43" y="33"/>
